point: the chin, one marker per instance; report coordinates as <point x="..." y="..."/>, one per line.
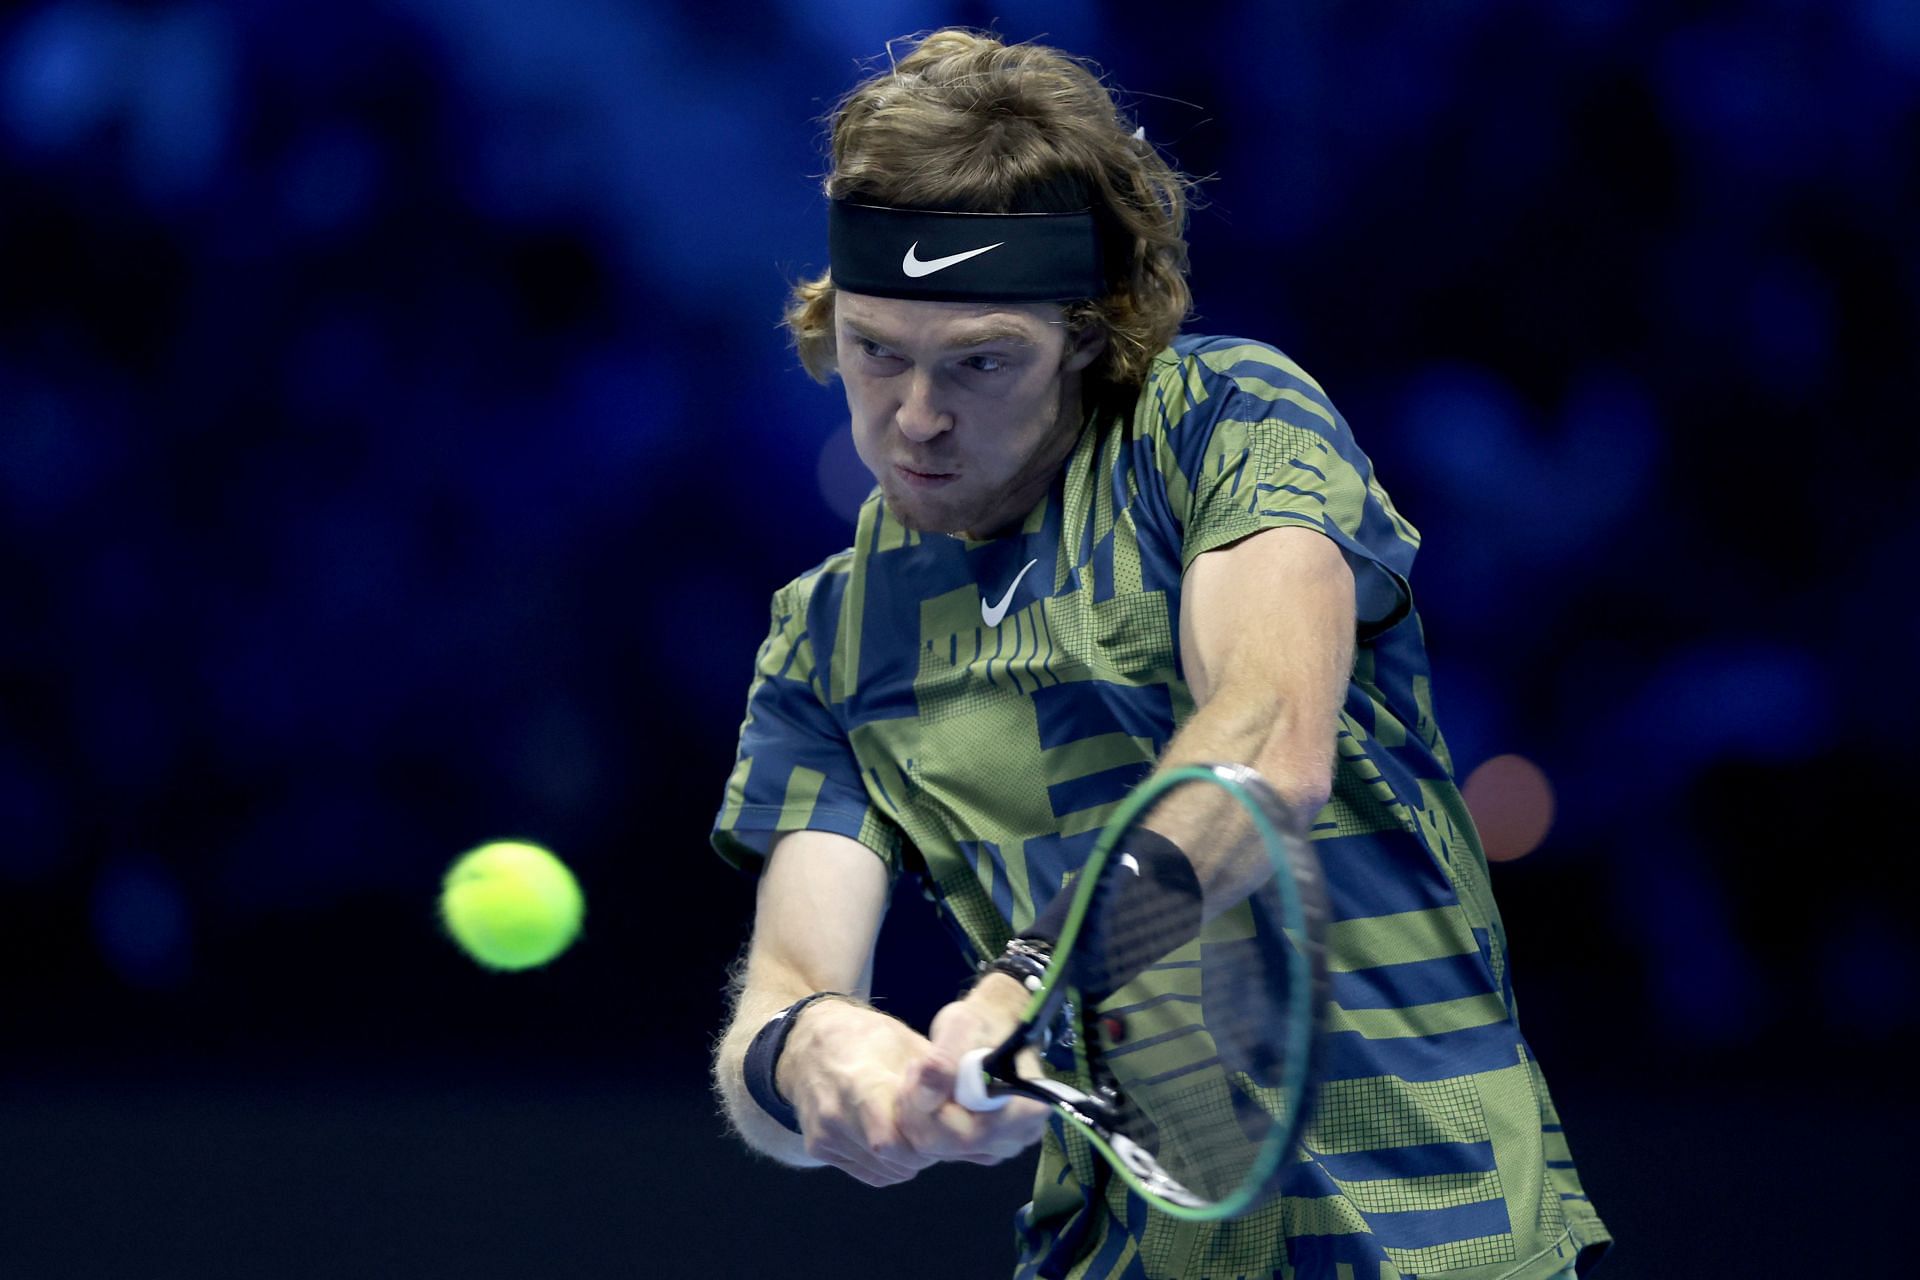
<point x="920" y="521"/>
<point x="924" y="517"/>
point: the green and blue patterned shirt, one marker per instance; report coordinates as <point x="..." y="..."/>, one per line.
<point x="974" y="711"/>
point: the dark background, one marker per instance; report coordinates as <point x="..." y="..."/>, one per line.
<point x="398" y="449"/>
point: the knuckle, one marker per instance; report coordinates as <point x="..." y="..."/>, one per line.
<point x="882" y="1141"/>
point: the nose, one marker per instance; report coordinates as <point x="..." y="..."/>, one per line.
<point x="919" y="417"/>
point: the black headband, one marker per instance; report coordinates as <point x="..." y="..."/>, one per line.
<point x="965" y="257"/>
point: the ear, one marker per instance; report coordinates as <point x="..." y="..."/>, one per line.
<point x="1084" y="347"/>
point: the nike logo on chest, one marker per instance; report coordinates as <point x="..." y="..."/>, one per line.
<point x="991" y="614"/>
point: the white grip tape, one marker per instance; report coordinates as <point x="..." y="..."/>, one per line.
<point x="970" y="1084"/>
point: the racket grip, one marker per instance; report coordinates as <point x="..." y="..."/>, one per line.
<point x="970" y="1083"/>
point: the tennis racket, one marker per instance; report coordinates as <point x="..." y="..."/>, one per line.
<point x="1199" y="1051"/>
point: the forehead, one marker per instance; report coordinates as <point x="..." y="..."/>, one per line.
<point x="910" y="319"/>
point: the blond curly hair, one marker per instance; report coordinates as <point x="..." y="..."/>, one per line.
<point x="967" y="123"/>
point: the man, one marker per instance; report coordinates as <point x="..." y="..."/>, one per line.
<point x="1097" y="549"/>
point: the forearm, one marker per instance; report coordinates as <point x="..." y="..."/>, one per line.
<point x="1290" y="746"/>
<point x="1260" y="729"/>
<point x="1267" y="643"/>
<point x="818" y="910"/>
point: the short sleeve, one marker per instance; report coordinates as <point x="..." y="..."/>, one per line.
<point x="1253" y="443"/>
<point x="794" y="770"/>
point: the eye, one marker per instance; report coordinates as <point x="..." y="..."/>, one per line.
<point x="873" y="350"/>
<point x="985" y="364"/>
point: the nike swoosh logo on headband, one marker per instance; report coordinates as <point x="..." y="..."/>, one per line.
<point x="914" y="267"/>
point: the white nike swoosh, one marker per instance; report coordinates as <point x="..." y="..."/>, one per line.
<point x="992" y="613"/>
<point x="1127" y="861"/>
<point x="914" y="267"/>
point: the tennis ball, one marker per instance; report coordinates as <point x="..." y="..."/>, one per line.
<point x="511" y="905"/>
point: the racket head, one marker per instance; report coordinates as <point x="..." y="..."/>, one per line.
<point x="1201" y="1050"/>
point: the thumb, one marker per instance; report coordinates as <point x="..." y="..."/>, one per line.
<point x="931" y="1083"/>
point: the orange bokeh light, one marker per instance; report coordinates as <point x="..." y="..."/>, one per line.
<point x="1512" y="805"/>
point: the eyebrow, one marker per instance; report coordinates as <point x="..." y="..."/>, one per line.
<point x="980" y="336"/>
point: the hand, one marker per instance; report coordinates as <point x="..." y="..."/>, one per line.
<point x="842" y="1069"/>
<point x="931" y="1121"/>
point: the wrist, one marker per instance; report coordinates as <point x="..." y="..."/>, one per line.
<point x="789" y="1069"/>
<point x="1000" y="991"/>
<point x="767" y="1075"/>
<point x="1003" y="987"/>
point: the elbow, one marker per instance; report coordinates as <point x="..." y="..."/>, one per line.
<point x="1300" y="766"/>
<point x="1303" y="793"/>
<point x="1315" y="790"/>
<point x="1307" y="802"/>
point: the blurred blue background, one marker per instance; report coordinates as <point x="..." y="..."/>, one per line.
<point x="377" y="384"/>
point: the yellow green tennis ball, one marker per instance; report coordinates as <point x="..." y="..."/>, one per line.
<point x="511" y="905"/>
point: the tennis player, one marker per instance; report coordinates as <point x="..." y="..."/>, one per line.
<point x="1098" y="547"/>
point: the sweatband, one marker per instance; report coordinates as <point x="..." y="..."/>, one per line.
<point x="1164" y="889"/>
<point x="964" y="257"/>
<point x="763" y="1056"/>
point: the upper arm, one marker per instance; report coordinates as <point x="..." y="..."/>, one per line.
<point x="1275" y="610"/>
<point x="821" y="901"/>
<point x="795" y="769"/>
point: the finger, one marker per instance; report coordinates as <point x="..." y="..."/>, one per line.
<point x="1014" y="1129"/>
<point x="883" y="1164"/>
<point x="1017" y="1113"/>
<point x="885" y="1140"/>
<point x="966" y="1134"/>
<point x="954" y="1133"/>
<point x="864" y="1144"/>
<point x="940" y="1132"/>
<point x="854" y="1160"/>
<point x="927" y="1084"/>
<point x="1026" y="1111"/>
<point x="858" y="1164"/>
<point x="925" y="1135"/>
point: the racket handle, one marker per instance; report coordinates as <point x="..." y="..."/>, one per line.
<point x="970" y="1083"/>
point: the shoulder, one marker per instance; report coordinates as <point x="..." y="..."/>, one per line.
<point x="824" y="581"/>
<point x="1205" y="377"/>
<point x="1208" y="399"/>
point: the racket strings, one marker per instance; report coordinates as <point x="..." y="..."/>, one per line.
<point x="1196" y="1042"/>
<point x="1125" y="942"/>
<point x="1210" y="1133"/>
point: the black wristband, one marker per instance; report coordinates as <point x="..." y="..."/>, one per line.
<point x="763" y="1056"/>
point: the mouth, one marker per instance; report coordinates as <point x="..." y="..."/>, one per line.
<point x="924" y="479"/>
